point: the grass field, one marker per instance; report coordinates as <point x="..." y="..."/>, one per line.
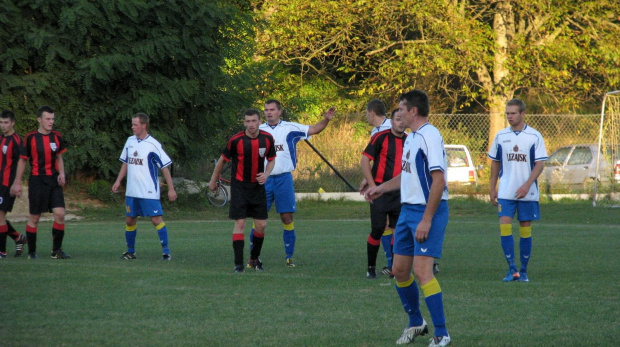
<point x="97" y="299"/>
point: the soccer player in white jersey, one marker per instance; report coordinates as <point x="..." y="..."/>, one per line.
<point x="419" y="233"/>
<point x="518" y="155"/>
<point x="142" y="157"/>
<point x="279" y="185"/>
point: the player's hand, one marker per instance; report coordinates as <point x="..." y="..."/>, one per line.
<point x="116" y="186"/>
<point x="329" y="114"/>
<point x="16" y="190"/>
<point x="373" y="193"/>
<point x="421" y="232"/>
<point x="61" y="180"/>
<point x="493" y="196"/>
<point x="262" y="178"/>
<point x="172" y="194"/>
<point x="363" y="186"/>
<point x="212" y="185"/>
<point x="522" y="191"/>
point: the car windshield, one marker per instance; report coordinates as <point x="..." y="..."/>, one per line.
<point x="456" y="157"/>
<point x="558" y="157"/>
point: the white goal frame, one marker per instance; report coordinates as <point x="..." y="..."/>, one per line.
<point x="600" y="140"/>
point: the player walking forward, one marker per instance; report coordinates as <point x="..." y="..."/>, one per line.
<point x="142" y="156"/>
<point x="279" y="186"/>
<point x="385" y="150"/>
<point x="11" y="143"/>
<point x="43" y="149"/>
<point x="419" y="234"/>
<point x="518" y="153"/>
<point x="248" y="150"/>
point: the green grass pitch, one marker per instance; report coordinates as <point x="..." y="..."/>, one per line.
<point x="98" y="299"/>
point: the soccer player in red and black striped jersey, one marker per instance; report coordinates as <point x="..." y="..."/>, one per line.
<point x="43" y="149"/>
<point x="248" y="150"/>
<point x="10" y="142"/>
<point x="385" y="151"/>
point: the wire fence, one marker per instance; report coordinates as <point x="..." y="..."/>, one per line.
<point x="342" y="144"/>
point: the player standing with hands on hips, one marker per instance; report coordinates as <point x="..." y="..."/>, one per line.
<point x="419" y="233"/>
<point x="43" y="149"/>
<point x="142" y="157"/>
<point x="518" y="155"/>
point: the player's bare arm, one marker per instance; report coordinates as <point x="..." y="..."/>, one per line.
<point x="216" y="174"/>
<point x="368" y="181"/>
<point x="434" y="198"/>
<point x="119" y="179"/>
<point x="536" y="171"/>
<point x="262" y="177"/>
<point x="377" y="191"/>
<point x="16" y="188"/>
<point x="172" y="194"/>
<point x="318" y="127"/>
<point x="493" y="183"/>
<point x="61" y="170"/>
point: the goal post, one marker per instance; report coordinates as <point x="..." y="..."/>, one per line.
<point x="607" y="180"/>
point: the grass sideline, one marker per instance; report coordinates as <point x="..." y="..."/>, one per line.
<point x="97" y="299"/>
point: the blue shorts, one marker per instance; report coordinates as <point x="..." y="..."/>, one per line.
<point x="526" y="210"/>
<point x="142" y="207"/>
<point x="279" y="188"/>
<point x="410" y="217"/>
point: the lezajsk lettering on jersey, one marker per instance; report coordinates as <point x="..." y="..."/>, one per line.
<point x="136" y="161"/>
<point x="406" y="165"/>
<point x="279" y="148"/>
<point x="517" y="156"/>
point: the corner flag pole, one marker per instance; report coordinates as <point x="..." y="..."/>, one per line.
<point x="330" y="165"/>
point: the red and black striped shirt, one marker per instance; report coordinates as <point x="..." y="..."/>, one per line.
<point x="41" y="150"/>
<point x="386" y="152"/>
<point x="11" y="148"/>
<point x="248" y="155"/>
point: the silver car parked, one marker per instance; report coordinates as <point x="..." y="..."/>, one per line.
<point x="576" y="165"/>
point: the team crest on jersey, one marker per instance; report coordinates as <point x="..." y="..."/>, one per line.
<point x="135" y="154"/>
<point x="261" y="151"/>
<point x="515" y="148"/>
<point x="4" y="149"/>
<point x="136" y="161"/>
<point x="53" y="146"/>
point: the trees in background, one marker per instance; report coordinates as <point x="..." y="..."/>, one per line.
<point x="469" y="55"/>
<point x="98" y="62"/>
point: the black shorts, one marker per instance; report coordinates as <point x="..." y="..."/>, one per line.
<point x="44" y="194"/>
<point x="247" y="200"/>
<point x="387" y="205"/>
<point x="6" y="200"/>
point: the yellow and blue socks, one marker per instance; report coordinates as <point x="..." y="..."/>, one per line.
<point x="130" y="237"/>
<point x="162" y="232"/>
<point x="386" y="241"/>
<point x="289" y="239"/>
<point x="434" y="301"/>
<point x="525" y="246"/>
<point x="410" y="298"/>
<point x="508" y="245"/>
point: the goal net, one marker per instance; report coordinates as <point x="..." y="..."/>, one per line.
<point x="607" y="185"/>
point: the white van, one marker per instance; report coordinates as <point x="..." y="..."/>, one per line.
<point x="461" y="168"/>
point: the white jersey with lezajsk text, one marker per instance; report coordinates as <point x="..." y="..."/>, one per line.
<point x="422" y="153"/>
<point x="286" y="135"/>
<point x="517" y="153"/>
<point x="144" y="158"/>
<point x="386" y="124"/>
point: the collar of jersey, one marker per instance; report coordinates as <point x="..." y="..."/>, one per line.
<point x="146" y="137"/>
<point x="520" y="131"/>
<point x="274" y="126"/>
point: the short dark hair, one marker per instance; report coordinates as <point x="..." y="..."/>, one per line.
<point x="418" y="99"/>
<point x="251" y="112"/>
<point x="377" y="106"/>
<point x="44" y="109"/>
<point x="394" y="112"/>
<point x="517" y="102"/>
<point x="274" y="101"/>
<point x="144" y="118"/>
<point x="7" y="114"/>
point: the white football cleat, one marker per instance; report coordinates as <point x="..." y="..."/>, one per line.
<point x="410" y="333"/>
<point x="438" y="341"/>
